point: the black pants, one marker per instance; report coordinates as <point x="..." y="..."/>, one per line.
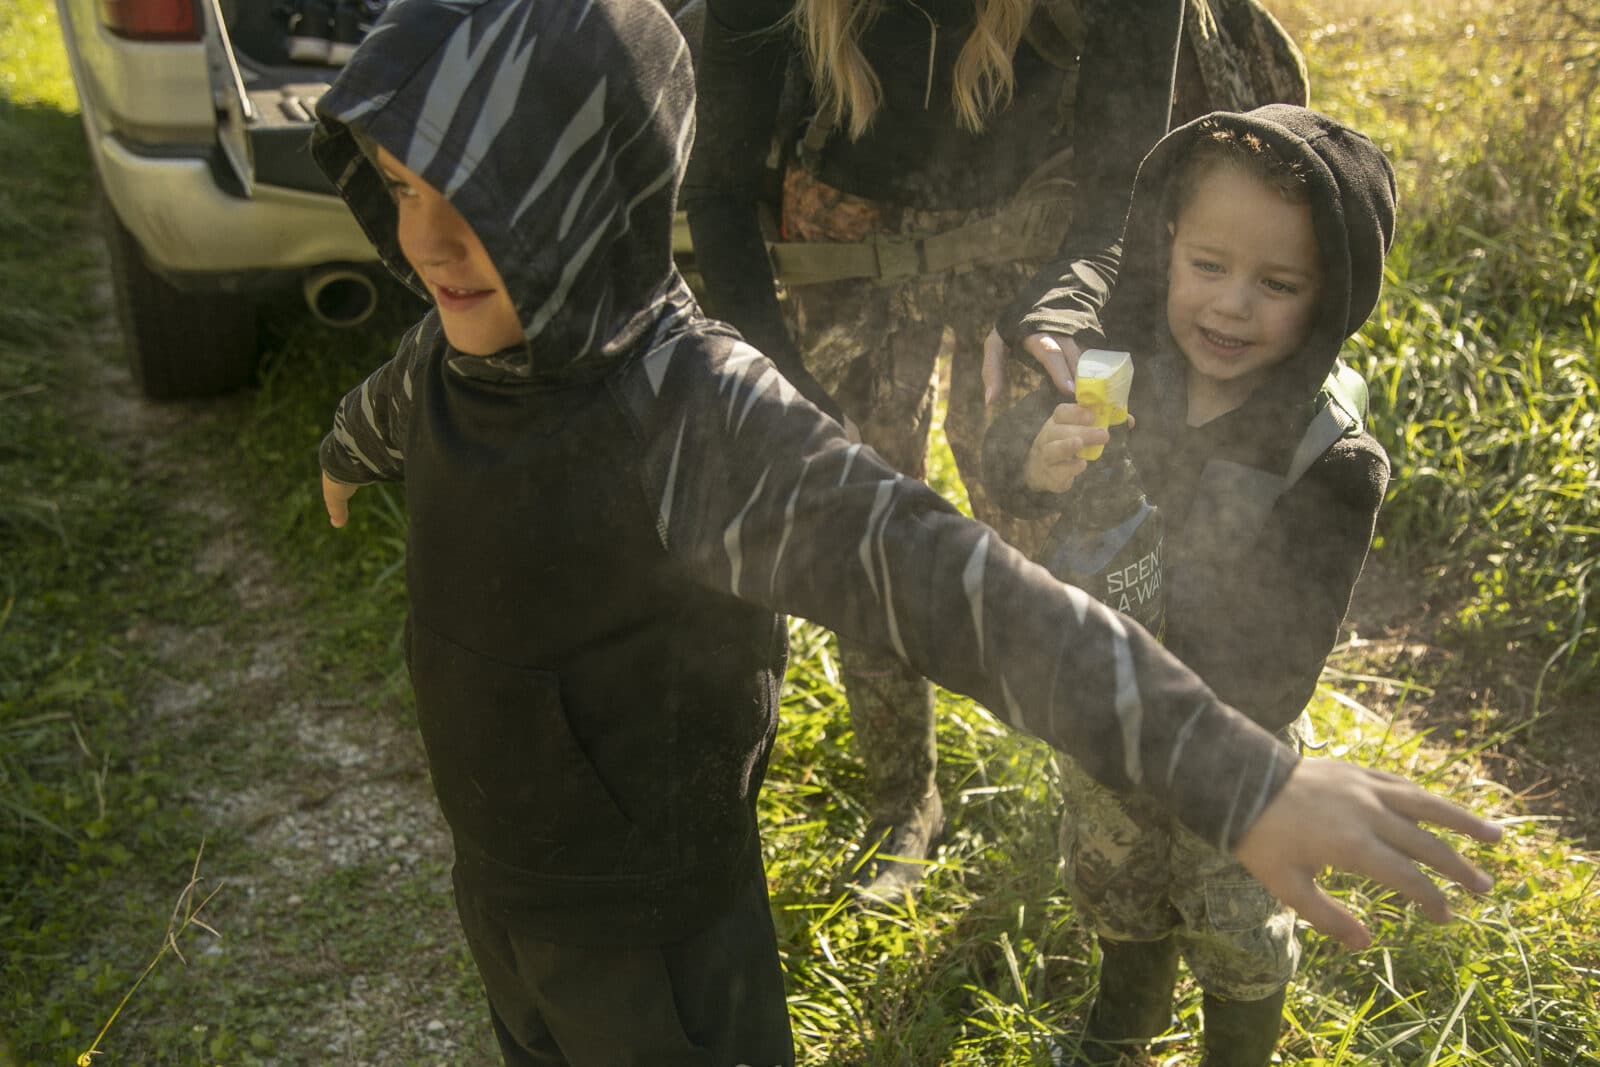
<point x="714" y="999"/>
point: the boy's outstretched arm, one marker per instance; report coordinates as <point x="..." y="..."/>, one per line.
<point x="757" y="494"/>
<point x="1335" y="814"/>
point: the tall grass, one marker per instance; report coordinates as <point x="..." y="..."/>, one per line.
<point x="86" y="555"/>
<point x="47" y="508"/>
<point x="1484" y="354"/>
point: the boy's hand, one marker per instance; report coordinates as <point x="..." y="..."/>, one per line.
<point x="336" y="498"/>
<point x="1335" y="814"/>
<point x="1053" y="462"/>
<point x="1056" y="353"/>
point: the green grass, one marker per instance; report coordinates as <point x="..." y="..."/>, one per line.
<point x="75" y="800"/>
<point x="1483" y="372"/>
<point x="1483" y="353"/>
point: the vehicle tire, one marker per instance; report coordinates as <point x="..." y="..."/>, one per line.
<point x="179" y="344"/>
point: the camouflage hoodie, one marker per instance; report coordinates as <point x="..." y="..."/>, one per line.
<point x="606" y="521"/>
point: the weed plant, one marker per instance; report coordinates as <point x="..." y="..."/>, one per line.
<point x="1485" y="396"/>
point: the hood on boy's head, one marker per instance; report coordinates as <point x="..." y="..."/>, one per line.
<point x="558" y="128"/>
<point x="1352" y="198"/>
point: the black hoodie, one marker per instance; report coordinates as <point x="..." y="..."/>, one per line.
<point x="1254" y="601"/>
<point x="605" y="520"/>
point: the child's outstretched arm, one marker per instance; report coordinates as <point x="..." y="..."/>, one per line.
<point x="1352" y="818"/>
<point x="756" y="494"/>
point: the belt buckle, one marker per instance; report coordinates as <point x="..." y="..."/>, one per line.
<point x="898" y="258"/>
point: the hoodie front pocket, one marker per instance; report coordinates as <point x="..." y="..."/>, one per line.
<point x="510" y="772"/>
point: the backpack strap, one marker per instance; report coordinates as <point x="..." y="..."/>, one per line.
<point x="819" y="127"/>
<point x="1341" y="412"/>
<point x="1348" y="390"/>
<point x="1328" y="425"/>
<point x="1239" y="498"/>
<point x="1057" y="32"/>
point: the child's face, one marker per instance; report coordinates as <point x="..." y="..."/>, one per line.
<point x="1242" y="286"/>
<point x="474" y="307"/>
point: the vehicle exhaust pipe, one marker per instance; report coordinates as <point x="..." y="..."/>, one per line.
<point x="340" y="296"/>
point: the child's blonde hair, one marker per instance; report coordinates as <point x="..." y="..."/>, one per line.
<point x="848" y="89"/>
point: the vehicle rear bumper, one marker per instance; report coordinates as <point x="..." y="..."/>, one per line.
<point x="187" y="224"/>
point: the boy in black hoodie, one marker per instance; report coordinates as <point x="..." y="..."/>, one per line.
<point x="1254" y="248"/>
<point x="610" y="500"/>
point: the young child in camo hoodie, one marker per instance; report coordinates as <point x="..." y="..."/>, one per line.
<point x="1254" y="248"/>
<point x="610" y="501"/>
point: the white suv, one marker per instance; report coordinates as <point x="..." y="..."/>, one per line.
<point x="197" y="122"/>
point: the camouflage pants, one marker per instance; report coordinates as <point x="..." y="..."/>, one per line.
<point x="875" y="346"/>
<point x="891" y="711"/>
<point x="1135" y="874"/>
<point x="876" y="349"/>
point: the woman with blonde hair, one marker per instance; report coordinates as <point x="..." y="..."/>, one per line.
<point x="899" y="170"/>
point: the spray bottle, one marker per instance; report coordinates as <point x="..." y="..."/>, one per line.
<point x="1108" y="539"/>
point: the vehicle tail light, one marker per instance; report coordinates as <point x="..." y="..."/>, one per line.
<point x="152" y="20"/>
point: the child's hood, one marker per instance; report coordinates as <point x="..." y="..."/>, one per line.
<point x="558" y="129"/>
<point x="1352" y="198"/>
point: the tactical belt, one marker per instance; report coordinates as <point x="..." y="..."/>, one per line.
<point x="1024" y="230"/>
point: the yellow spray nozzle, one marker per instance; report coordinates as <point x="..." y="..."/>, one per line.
<point x="1103" y="381"/>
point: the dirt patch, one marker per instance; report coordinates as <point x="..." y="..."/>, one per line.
<point x="1543" y="746"/>
<point x="320" y="808"/>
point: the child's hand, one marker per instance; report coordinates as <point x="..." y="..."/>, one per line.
<point x="1334" y="814"/>
<point x="336" y="498"/>
<point x="1053" y="462"/>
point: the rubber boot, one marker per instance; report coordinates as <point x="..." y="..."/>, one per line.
<point x="891" y="709"/>
<point x="1241" y="1033"/>
<point x="893" y="857"/>
<point x="1134" y="1002"/>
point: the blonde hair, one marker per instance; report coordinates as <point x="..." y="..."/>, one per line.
<point x="848" y="90"/>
